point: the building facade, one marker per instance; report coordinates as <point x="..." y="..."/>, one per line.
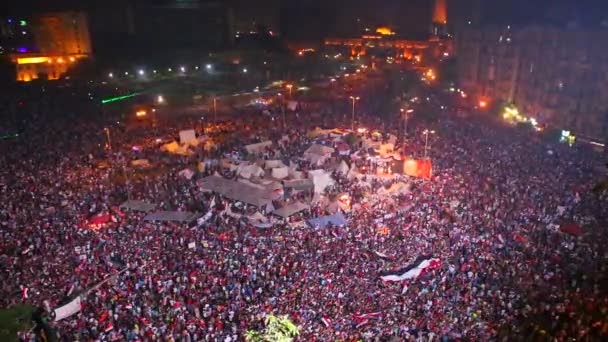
<point x="557" y="76"/>
<point x="60" y="40"/>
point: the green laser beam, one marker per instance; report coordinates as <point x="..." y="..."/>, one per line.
<point x="118" y="98"/>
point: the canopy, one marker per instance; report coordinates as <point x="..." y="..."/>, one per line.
<point x="187" y="136"/>
<point x="321" y="179"/>
<point x="136" y="205"/>
<point x="291" y="209"/>
<point x="249" y="170"/>
<point x="298" y="184"/>
<point x="237" y="191"/>
<point x="280" y="172"/>
<point x="324" y="221"/>
<point x="172" y="216"/>
<point x="319" y="150"/>
<point x="271" y="164"/>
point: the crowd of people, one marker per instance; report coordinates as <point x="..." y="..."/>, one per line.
<point x="490" y="214"/>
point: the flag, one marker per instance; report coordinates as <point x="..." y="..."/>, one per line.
<point x="411" y="271"/>
<point x="108" y="328"/>
<point x="326" y="321"/>
<point x="358" y="317"/>
<point x="24" y="291"/>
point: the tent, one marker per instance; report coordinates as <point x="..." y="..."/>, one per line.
<point x="298" y="184"/>
<point x="280" y="172"/>
<point x="292" y="105"/>
<point x="246" y="170"/>
<point x="236" y="191"/>
<point x="258" y="147"/>
<point x="271" y="164"/>
<point x="343" y="168"/>
<point x="321" y="179"/>
<point x="291" y="209"/>
<point x="324" y="221"/>
<point x="135" y="205"/>
<point x="317" y="154"/>
<point x="172" y="216"/>
<point x="188" y="137"/>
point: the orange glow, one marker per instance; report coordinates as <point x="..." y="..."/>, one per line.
<point x="385" y="31"/>
<point x="32" y="60"/>
<point x="59" y="60"/>
<point x="140" y="113"/>
<point x="483" y="104"/>
<point x="440" y="12"/>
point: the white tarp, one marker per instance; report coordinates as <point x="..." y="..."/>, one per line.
<point x="271" y="164"/>
<point x="236" y="190"/>
<point x="187" y="136"/>
<point x="342" y="168"/>
<point x="67" y="310"/>
<point x="317" y="154"/>
<point x="186" y="173"/>
<point x="249" y="170"/>
<point x="280" y="172"/>
<point x="259" y="147"/>
<point x="321" y="179"/>
<point x="291" y="209"/>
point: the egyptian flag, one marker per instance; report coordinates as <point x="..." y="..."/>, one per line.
<point x="364" y="319"/>
<point x="411" y="271"/>
<point x="24" y="291"/>
<point x="326" y="321"/>
<point x="382" y="255"/>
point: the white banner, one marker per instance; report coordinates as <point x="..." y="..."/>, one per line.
<point x="67" y="310"/>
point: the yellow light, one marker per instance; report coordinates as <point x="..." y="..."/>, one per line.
<point x="385" y="31"/>
<point x="72" y="59"/>
<point x="33" y="60"/>
<point x="59" y="60"/>
<point x="140" y="113"/>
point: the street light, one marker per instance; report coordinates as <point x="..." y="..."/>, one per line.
<point x="183" y="69"/>
<point x="141" y="72"/>
<point x="283" y="110"/>
<point x="355" y="99"/>
<point x="405" y="114"/>
<point x="426" y="133"/>
<point x="111" y="75"/>
<point x="160" y="99"/>
<point x="289" y="86"/>
<point x="208" y="66"/>
<point x="244" y="70"/>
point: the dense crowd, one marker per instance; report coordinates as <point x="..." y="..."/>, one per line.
<point x="490" y="214"/>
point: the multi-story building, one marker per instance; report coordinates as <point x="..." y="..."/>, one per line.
<point x="554" y="75"/>
<point x="60" y="39"/>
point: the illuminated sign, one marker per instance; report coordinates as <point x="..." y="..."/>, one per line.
<point x="32" y="60"/>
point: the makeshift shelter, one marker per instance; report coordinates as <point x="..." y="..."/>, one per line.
<point x="188" y="137"/>
<point x="135" y="205"/>
<point x="258" y="147"/>
<point x="271" y="164"/>
<point x="172" y="216"/>
<point x="291" y="209"/>
<point x="317" y="154"/>
<point x="298" y="184"/>
<point x="323" y="221"/>
<point x="321" y="179"/>
<point x="237" y="191"/>
<point x="246" y="170"/>
<point x="280" y="172"/>
<point x="343" y="168"/>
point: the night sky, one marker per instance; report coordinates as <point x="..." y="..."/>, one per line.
<point x="316" y="19"/>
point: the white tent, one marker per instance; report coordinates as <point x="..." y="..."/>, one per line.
<point x="259" y="147"/>
<point x="249" y="170"/>
<point x="271" y="164"/>
<point x="187" y="136"/>
<point x="280" y="172"/>
<point x="321" y="179"/>
<point x="317" y="154"/>
<point x="236" y="191"/>
<point x="291" y="209"/>
<point x="186" y="173"/>
<point x="292" y="105"/>
<point x="343" y="168"/>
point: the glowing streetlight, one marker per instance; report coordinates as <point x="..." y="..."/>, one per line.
<point x="141" y="72"/>
<point x="160" y="99"/>
<point x="208" y="66"/>
<point x="354" y="99"/>
<point x="289" y="86"/>
<point x="169" y="70"/>
<point x="426" y="133"/>
<point x="196" y="67"/>
<point x="244" y="70"/>
<point x="182" y="69"/>
<point x="154" y="71"/>
<point x="111" y="75"/>
<point x="126" y="73"/>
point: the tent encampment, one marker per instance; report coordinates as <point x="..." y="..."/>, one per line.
<point x="280" y="172"/>
<point x="321" y="179"/>
<point x="258" y="147"/>
<point x="188" y="136"/>
<point x="236" y="191"/>
<point x="247" y="170"/>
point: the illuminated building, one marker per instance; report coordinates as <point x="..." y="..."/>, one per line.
<point x="556" y="76"/>
<point x="384" y="39"/>
<point x="61" y="39"/>
<point x="440" y="18"/>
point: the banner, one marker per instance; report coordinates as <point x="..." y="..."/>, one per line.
<point x="421" y="168"/>
<point x="67" y="310"/>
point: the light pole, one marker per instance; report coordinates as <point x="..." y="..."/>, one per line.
<point x="289" y="86"/>
<point x="355" y="99"/>
<point x="283" y="110"/>
<point x="426" y="133"/>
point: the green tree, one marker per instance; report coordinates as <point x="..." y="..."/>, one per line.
<point x="278" y="329"/>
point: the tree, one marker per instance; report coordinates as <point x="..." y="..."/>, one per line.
<point x="278" y="329"/>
